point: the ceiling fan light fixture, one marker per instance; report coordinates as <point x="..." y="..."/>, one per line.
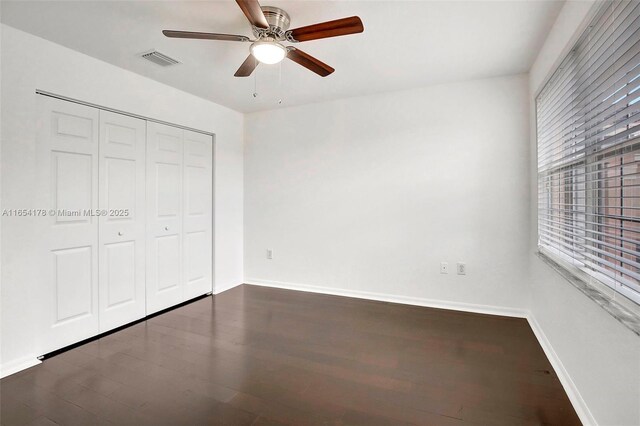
<point x="270" y="26"/>
<point x="268" y="52"/>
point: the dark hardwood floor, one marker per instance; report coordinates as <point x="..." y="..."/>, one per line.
<point x="260" y="356"/>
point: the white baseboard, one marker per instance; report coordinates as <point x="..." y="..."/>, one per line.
<point x="582" y="410"/>
<point x="405" y="300"/>
<point x="224" y="287"/>
<point x="12" y="367"/>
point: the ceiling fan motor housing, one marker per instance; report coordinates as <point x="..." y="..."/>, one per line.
<point x="278" y="21"/>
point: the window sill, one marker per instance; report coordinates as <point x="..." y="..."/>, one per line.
<point x="625" y="312"/>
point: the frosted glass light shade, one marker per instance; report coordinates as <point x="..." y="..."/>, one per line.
<point x="268" y="52"/>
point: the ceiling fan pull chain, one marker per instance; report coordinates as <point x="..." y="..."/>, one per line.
<point x="255" y="84"/>
<point x="280" y="83"/>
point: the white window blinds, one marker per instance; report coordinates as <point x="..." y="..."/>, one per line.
<point x="588" y="130"/>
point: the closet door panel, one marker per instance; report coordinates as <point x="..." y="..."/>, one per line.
<point x="67" y="144"/>
<point x="73" y="283"/>
<point x="118" y="283"/>
<point x="122" y="219"/>
<point x="167" y="251"/>
<point x="197" y="201"/>
<point x="164" y="216"/>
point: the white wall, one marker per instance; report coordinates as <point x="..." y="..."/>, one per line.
<point x="363" y="196"/>
<point x="30" y="63"/>
<point x="366" y="196"/>
<point x="600" y="356"/>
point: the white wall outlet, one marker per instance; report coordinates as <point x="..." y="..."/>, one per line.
<point x="461" y="267"/>
<point x="444" y="268"/>
<point x="269" y="254"/>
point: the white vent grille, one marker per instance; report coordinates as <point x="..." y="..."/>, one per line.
<point x="160" y="58"/>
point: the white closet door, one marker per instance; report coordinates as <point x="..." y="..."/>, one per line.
<point x="68" y="157"/>
<point x="164" y="216"/>
<point x="122" y="230"/>
<point x="197" y="201"/>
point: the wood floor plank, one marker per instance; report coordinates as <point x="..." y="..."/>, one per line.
<point x="259" y="356"/>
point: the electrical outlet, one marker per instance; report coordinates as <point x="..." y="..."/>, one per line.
<point x="444" y="268"/>
<point x="269" y="254"/>
<point x="461" y="267"/>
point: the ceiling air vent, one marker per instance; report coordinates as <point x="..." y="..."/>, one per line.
<point x="159" y="58"/>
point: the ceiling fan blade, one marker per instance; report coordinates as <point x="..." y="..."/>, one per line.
<point x="336" y="28"/>
<point x="253" y="12"/>
<point x="247" y="67"/>
<point x="204" y="36"/>
<point x="309" y="62"/>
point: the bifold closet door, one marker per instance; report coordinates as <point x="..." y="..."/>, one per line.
<point x="128" y="224"/>
<point x="122" y="228"/>
<point x="179" y="215"/>
<point x="164" y="216"/>
<point x="67" y="143"/>
<point x="197" y="201"/>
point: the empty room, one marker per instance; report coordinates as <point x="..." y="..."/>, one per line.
<point x="320" y="212"/>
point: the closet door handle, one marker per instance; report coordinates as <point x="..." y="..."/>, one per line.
<point x="120" y="233"/>
<point x="166" y="228"/>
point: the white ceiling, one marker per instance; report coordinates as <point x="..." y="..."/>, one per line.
<point x="405" y="43"/>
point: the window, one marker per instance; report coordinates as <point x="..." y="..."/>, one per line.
<point x="588" y="131"/>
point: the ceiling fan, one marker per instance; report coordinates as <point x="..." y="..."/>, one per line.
<point x="271" y="27"/>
